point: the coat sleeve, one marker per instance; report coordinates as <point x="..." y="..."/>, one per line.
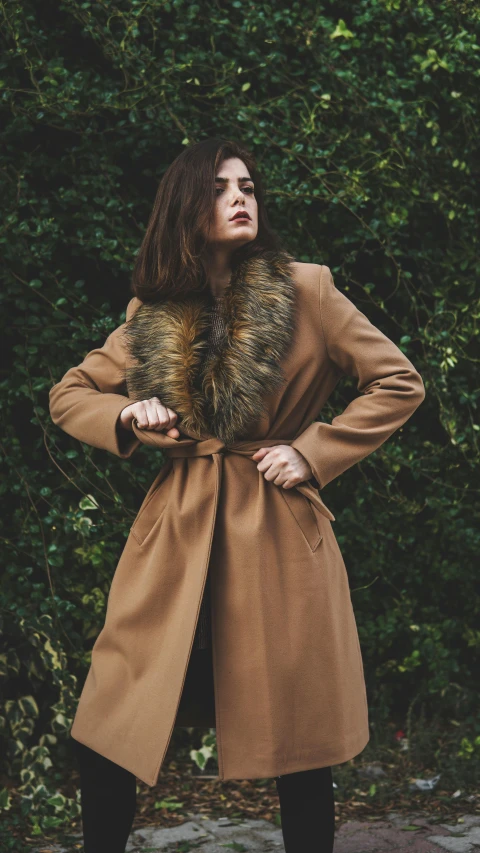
<point x="391" y="388"/>
<point x="87" y="401"/>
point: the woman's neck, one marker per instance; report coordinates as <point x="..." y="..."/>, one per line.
<point x="219" y="272"/>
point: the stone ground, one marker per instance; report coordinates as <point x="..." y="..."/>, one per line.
<point x="397" y="834"/>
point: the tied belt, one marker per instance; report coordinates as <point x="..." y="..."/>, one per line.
<point x="214" y="447"/>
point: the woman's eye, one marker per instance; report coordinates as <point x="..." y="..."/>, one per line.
<point x="220" y="189"/>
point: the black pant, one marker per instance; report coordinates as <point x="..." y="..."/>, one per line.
<point x="108" y="799"/>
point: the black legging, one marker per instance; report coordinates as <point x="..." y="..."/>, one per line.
<point x="108" y="799"/>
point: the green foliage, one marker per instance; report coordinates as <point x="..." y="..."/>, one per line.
<point x="207" y="750"/>
<point x="363" y="119"/>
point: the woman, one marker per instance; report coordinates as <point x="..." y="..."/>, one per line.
<point x="229" y="351"/>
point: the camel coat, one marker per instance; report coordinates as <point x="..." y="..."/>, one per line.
<point x="289" y="683"/>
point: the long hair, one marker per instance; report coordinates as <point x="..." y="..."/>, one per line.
<point x="171" y="262"/>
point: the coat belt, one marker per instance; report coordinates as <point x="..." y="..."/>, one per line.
<point x="215" y="447"/>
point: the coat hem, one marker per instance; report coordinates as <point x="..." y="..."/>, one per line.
<point x="300" y="764"/>
<point x="296" y="766"/>
<point x="285" y="768"/>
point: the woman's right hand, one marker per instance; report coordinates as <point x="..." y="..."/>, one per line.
<point x="150" y="414"/>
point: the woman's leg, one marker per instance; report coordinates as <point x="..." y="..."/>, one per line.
<point x="307" y="810"/>
<point x="109" y="800"/>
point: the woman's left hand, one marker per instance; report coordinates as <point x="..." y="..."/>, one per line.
<point x="283" y="465"/>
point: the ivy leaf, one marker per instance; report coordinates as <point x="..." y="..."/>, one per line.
<point x="341" y="31"/>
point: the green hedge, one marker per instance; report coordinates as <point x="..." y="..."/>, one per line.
<point x="363" y="117"/>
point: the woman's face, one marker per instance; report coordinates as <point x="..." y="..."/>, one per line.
<point x="234" y="190"/>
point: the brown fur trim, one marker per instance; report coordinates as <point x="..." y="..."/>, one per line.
<point x="222" y="396"/>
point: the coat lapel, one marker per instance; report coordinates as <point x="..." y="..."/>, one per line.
<point x="222" y="395"/>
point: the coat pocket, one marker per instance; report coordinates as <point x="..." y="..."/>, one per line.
<point x="300" y="507"/>
<point x="153" y="505"/>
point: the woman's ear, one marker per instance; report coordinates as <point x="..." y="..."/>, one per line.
<point x="133" y="306"/>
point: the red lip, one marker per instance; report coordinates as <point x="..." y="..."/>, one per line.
<point x="241" y="214"/>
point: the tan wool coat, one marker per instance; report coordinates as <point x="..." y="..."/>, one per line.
<point x="289" y="683"/>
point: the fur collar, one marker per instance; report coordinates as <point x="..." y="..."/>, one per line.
<point x="223" y="395"/>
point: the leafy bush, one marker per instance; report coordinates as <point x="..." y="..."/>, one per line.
<point x="363" y="119"/>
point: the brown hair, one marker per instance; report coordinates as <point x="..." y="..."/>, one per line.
<point x="171" y="260"/>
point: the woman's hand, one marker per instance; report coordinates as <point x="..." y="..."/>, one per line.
<point x="283" y="465"/>
<point x="150" y="414"/>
